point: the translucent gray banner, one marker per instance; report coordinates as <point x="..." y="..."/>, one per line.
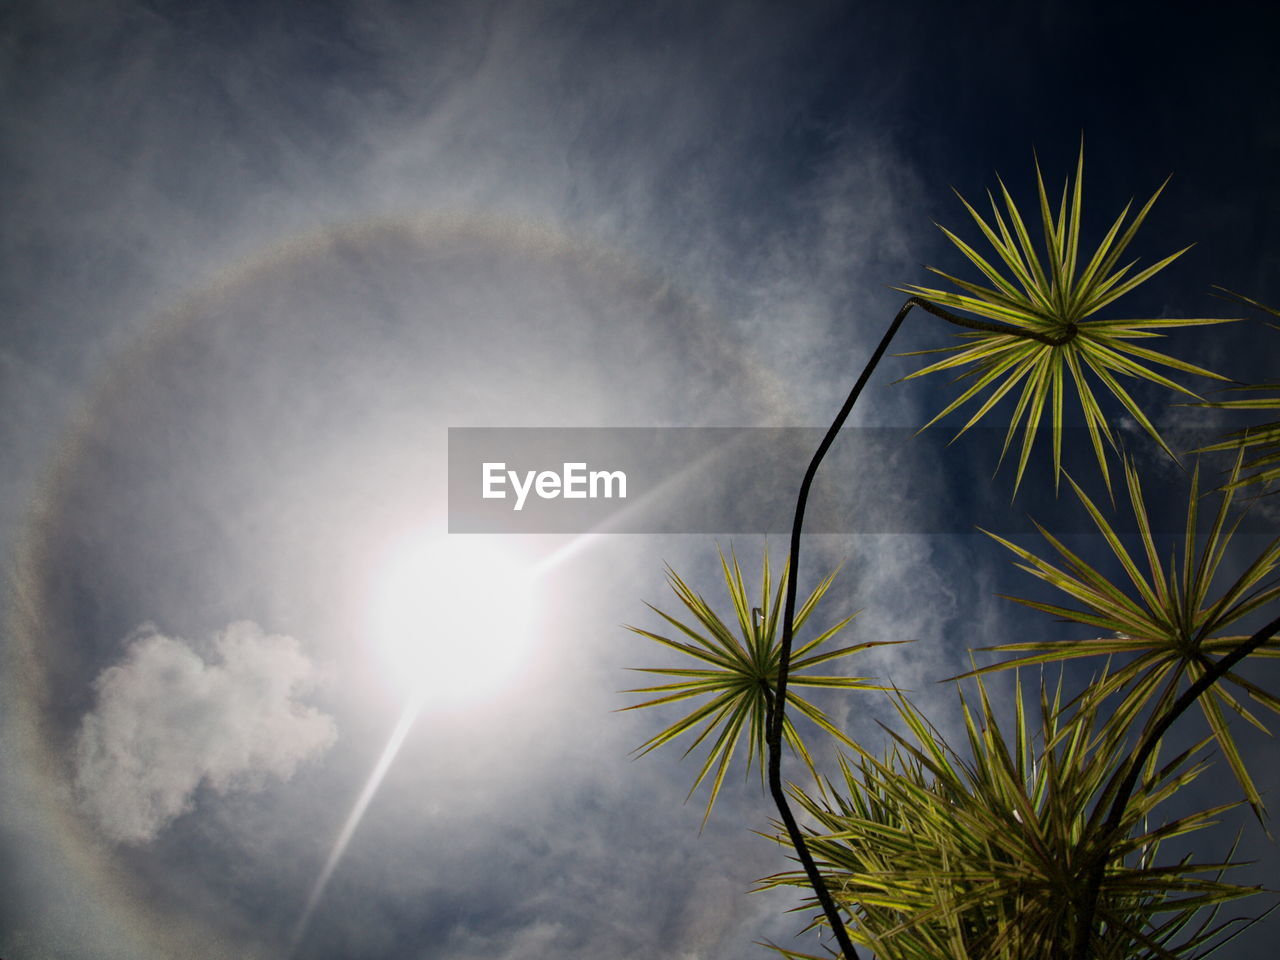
<point x="744" y="480"/>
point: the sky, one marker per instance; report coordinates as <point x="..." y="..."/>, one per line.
<point x="259" y="258"/>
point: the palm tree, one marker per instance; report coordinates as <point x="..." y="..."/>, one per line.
<point x="974" y="841"/>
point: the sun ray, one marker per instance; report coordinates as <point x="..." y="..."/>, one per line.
<point x="413" y="706"/>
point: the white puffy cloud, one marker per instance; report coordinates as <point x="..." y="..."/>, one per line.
<point x="166" y="721"/>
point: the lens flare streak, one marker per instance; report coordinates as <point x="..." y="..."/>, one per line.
<point x="407" y="717"/>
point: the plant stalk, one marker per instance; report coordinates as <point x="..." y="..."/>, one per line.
<point x="1084" y="930"/>
<point x="776" y="707"/>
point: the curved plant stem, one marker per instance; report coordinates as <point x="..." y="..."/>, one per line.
<point x="777" y="706"/>
<point x="1084" y="930"/>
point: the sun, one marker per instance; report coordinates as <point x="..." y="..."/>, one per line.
<point x="450" y="616"/>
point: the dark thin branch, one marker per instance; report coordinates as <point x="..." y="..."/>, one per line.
<point x="1084" y="932"/>
<point x="1069" y="332"/>
<point x="777" y="709"/>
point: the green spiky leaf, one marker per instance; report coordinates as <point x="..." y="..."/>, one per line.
<point x="1167" y="624"/>
<point x="736" y="672"/>
<point x="1055" y="293"/>
<point x="976" y="856"/>
<point x="1261" y="441"/>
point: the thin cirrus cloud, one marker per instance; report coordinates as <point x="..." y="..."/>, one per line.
<point x="167" y="721"/>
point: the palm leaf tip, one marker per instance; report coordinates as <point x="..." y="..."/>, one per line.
<point x="736" y="668"/>
<point x="1260" y="441"/>
<point x="1051" y="290"/>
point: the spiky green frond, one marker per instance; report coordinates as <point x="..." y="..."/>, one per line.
<point x="1167" y="626"/>
<point x="1261" y="441"/>
<point x="937" y="855"/>
<point x="1054" y="294"/>
<point x="736" y="671"/>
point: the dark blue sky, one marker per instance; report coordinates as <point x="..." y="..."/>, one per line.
<point x="258" y="257"/>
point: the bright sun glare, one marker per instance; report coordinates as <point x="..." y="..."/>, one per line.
<point x="450" y="615"/>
